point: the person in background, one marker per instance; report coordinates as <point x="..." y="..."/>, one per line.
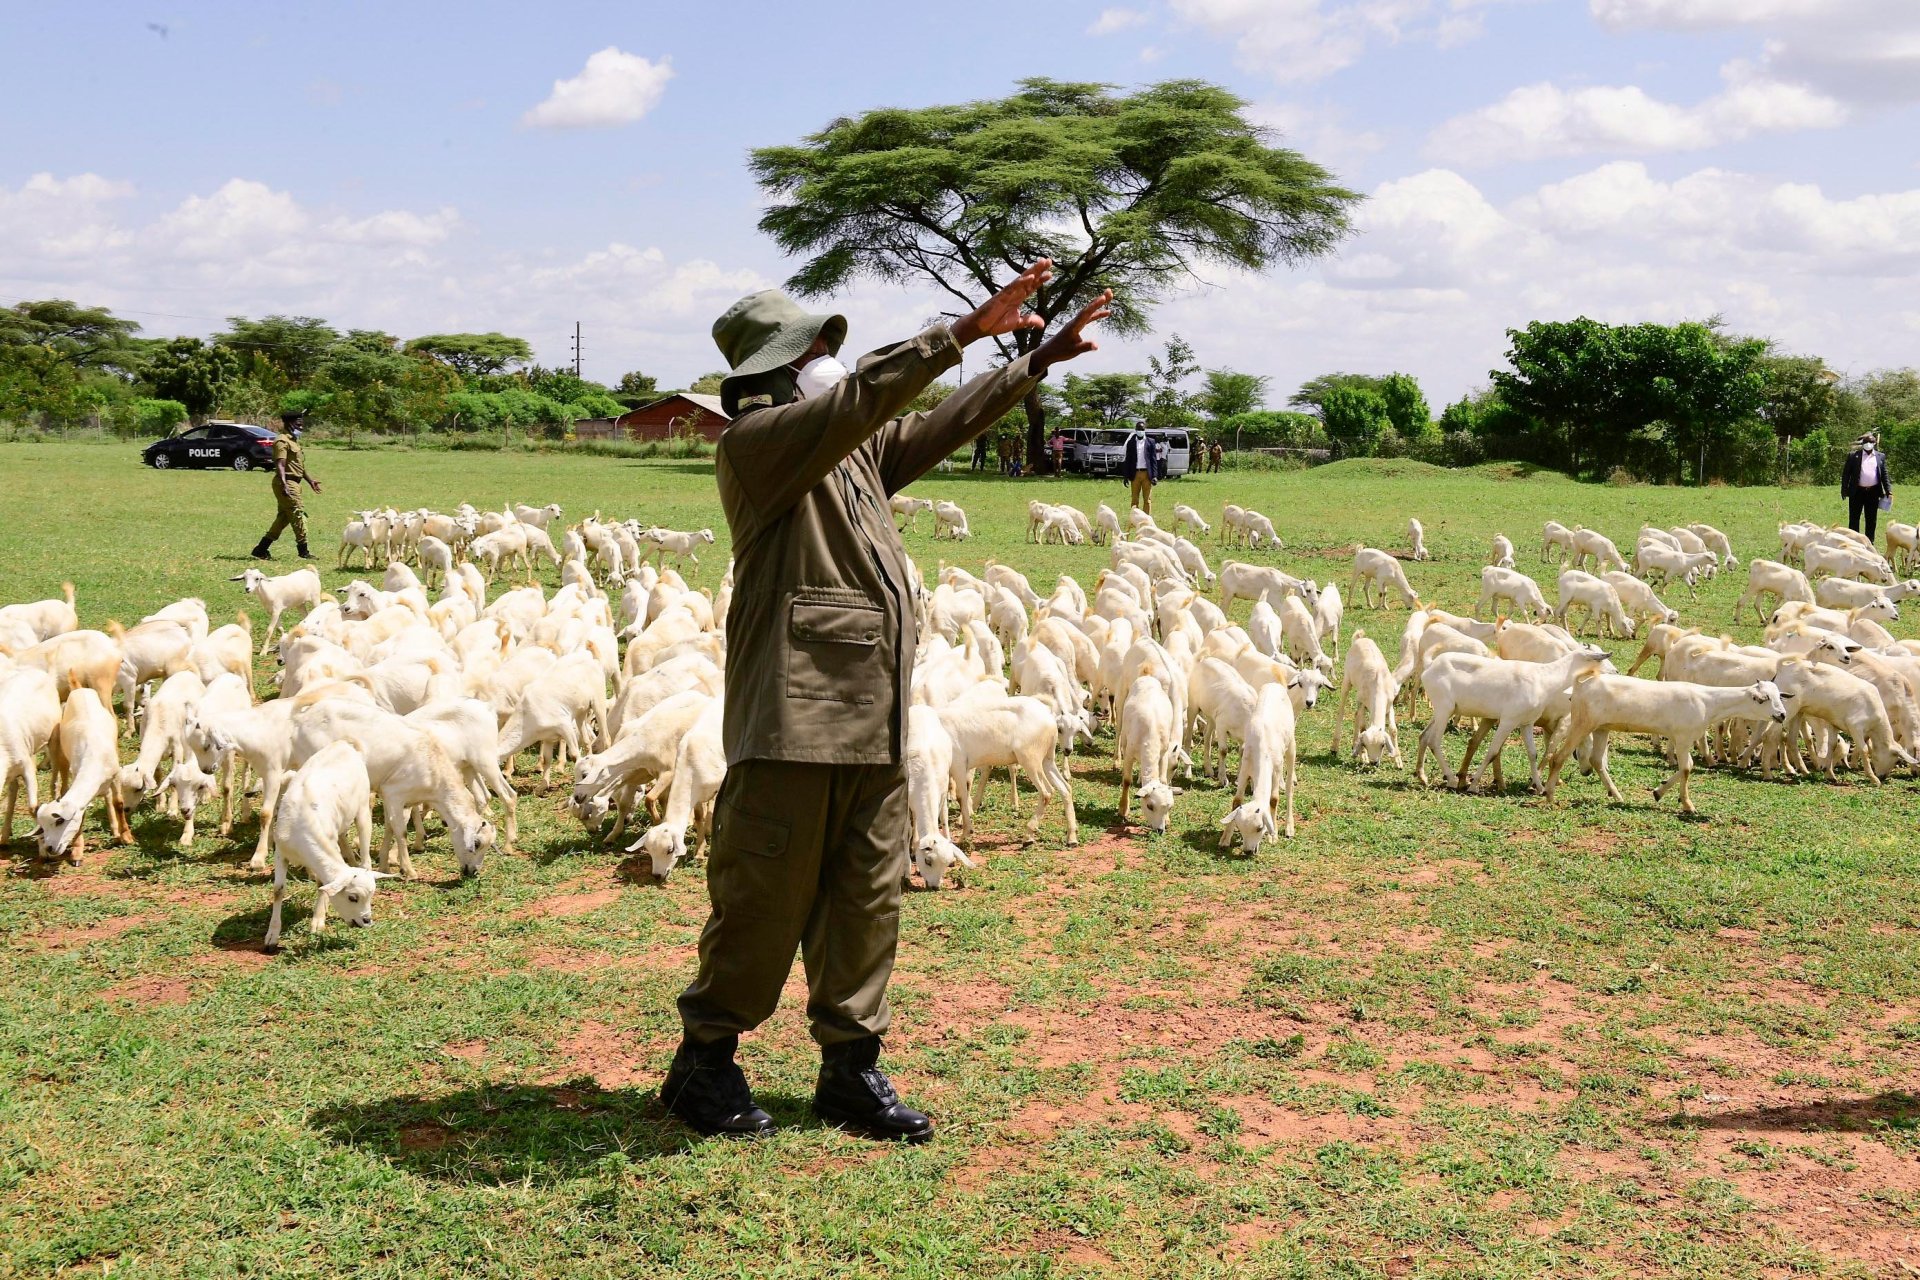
<point x="289" y="473"/>
<point x="980" y="454"/>
<point x="1213" y="457"/>
<point x="1136" y="464"/>
<point x="1865" y="484"/>
<point x="1059" y="446"/>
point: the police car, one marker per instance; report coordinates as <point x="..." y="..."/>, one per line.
<point x="237" y="446"/>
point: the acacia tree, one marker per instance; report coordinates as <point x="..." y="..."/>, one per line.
<point x="1129" y="192"/>
<point x="473" y="355"/>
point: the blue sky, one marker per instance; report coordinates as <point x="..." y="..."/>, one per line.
<point x="415" y="167"/>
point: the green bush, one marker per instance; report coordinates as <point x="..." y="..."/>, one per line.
<point x="1243" y="460"/>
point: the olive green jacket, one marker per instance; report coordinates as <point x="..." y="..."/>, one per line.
<point x="820" y="634"/>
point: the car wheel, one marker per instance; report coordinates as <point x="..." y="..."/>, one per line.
<point x="161" y="462"/>
<point x="242" y="463"/>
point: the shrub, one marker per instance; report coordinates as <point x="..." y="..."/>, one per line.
<point x="1242" y="460"/>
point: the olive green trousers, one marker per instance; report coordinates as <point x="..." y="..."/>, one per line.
<point x="809" y="857"/>
<point x="287" y="511"/>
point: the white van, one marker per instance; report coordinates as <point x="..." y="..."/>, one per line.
<point x="1179" y="450"/>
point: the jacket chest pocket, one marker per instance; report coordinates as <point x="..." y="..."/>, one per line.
<point x="836" y="651"/>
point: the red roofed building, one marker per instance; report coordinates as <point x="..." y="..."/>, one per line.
<point x="677" y="415"/>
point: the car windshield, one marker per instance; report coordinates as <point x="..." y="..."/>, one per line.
<point x="1111" y="437"/>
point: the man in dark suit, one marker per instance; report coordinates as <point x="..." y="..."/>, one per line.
<point x="1865" y="484"/>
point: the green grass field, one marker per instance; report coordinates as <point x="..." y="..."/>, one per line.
<point x="1435" y="1034"/>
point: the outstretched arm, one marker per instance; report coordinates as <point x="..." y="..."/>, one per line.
<point x="776" y="455"/>
<point x="914" y="445"/>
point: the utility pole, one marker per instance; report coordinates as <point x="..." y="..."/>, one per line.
<point x="576" y="348"/>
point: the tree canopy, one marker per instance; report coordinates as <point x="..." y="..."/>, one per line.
<point x="84" y="337"/>
<point x="1229" y="394"/>
<point x="1648" y="397"/>
<point x="473" y="355"/>
<point x="1129" y="191"/>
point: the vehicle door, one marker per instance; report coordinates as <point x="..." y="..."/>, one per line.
<point x="200" y="448"/>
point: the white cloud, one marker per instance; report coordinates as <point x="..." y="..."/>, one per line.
<point x="246" y="248"/>
<point x="1541" y="120"/>
<point x="1436" y="273"/>
<point x="1304" y="40"/>
<point x="48" y="221"/>
<point x="1703" y="15"/>
<point x="1318" y="132"/>
<point x="1856" y="50"/>
<point x="1112" y="20"/>
<point x="1439" y="271"/>
<point x="614" y="88"/>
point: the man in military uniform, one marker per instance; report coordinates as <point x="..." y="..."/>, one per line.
<point x="810" y="831"/>
<point x="289" y="472"/>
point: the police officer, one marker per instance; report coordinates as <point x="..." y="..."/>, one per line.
<point x="289" y="471"/>
<point x="810" y="831"/>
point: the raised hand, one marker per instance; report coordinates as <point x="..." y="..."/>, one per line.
<point x="1002" y="312"/>
<point x="1069" y="340"/>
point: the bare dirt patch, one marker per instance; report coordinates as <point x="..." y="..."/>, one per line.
<point x="151" y="989"/>
<point x="241" y="955"/>
<point x="466" y="1050"/>
<point x="425" y="1137"/>
<point x="84" y="934"/>
<point x="571" y="960"/>
<point x="612" y="1058"/>
<point x="563" y="905"/>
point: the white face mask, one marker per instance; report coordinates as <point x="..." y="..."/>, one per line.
<point x="817" y="377"/>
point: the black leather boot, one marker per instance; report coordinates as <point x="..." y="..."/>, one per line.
<point x="261" y="550"/>
<point x="854" y="1093"/>
<point x="707" y="1090"/>
<point x="304" y="554"/>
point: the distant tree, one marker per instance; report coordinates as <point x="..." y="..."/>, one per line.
<point x="1312" y="394"/>
<point x="1799" y="400"/>
<point x="371" y="385"/>
<point x="1272" y="429"/>
<point x="1228" y="393"/>
<point x="83" y="337"/>
<point x="473" y="355"/>
<point x="282" y="351"/>
<point x="707" y="384"/>
<point x="1406" y="406"/>
<point x="1104" y="400"/>
<point x="192" y="372"/>
<point x="157" y="417"/>
<point x="1887" y="397"/>
<point x="931" y="397"/>
<point x="1354" y="418"/>
<point x="1131" y="192"/>
<point x="1657" y="398"/>
<point x="635" y="383"/>
<point x="1168" y="406"/>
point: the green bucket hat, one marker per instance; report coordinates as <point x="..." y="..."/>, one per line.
<point x="765" y="332"/>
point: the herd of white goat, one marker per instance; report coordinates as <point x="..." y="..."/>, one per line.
<point x="422" y="692"/>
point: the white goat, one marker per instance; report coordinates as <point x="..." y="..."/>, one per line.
<point x="327" y="819"/>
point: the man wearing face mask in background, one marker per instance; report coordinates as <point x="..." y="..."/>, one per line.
<point x="289" y="473"/>
<point x="810" y="830"/>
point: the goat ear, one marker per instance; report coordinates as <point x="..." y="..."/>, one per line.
<point x="338" y="883"/>
<point x="381" y="875"/>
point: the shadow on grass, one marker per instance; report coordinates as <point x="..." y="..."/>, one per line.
<point x="498" y="1134"/>
<point x="246" y="931"/>
<point x="1898" y="1111"/>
